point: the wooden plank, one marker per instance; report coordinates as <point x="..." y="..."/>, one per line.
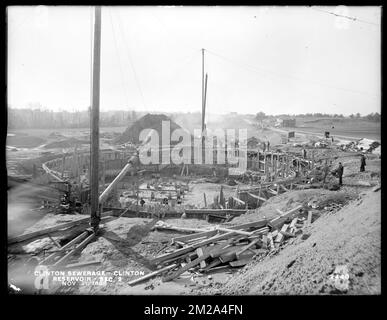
<point x="151" y="275"/>
<point x="179" y="229"/>
<point x="239" y="263"/>
<point x="239" y="200"/>
<point x="254" y="224"/>
<point x="280" y="236"/>
<point x="287" y="234"/>
<point x="230" y="256"/>
<point x="264" y="241"/>
<point x="271" y="191"/>
<point x="200" y="252"/>
<point x="236" y="212"/>
<point x="54" y="242"/>
<point x="283" y="187"/>
<point x="274" y="233"/>
<point x="222" y="251"/>
<point x="256" y="197"/>
<point x="68" y="245"/>
<point x="81" y="264"/>
<point x="259" y="232"/>
<point x="211" y="265"/>
<point x="40" y="232"/>
<point x="188" y="266"/>
<point x="271" y="242"/>
<point x="280" y="219"/>
<point x="216" y="218"/>
<point x="236" y="231"/>
<point x="191" y="247"/>
<point x="78" y="248"/>
<point x="252" y="243"/>
<point x="196" y="236"/>
<point x="310" y="216"/>
<point x="293" y="223"/>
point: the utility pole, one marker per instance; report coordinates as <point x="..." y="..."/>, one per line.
<point x="203" y="107"/>
<point x="204" y="102"/>
<point x="94" y="192"/>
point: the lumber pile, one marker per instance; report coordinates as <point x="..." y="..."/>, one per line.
<point x="223" y="246"/>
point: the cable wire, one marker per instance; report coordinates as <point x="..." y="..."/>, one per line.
<point x="346" y="17"/>
<point x="256" y="69"/>
<point x="130" y="60"/>
<point x="119" y="60"/>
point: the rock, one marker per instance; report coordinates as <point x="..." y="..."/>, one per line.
<point x="305" y="236"/>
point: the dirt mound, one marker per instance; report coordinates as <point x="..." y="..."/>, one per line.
<point x="24" y="141"/>
<point x="66" y="143"/>
<point x="149" y="121"/>
<point x="289" y="200"/>
<point x="351" y="238"/>
<point x="56" y="135"/>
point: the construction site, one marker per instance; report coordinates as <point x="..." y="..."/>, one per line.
<point x="191" y="228"/>
<point x="87" y="216"/>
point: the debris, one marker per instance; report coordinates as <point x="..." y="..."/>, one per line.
<point x="82" y="264"/>
<point x="31" y="235"/>
<point x="151" y="275"/>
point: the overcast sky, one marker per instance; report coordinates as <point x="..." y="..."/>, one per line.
<point x="270" y="59"/>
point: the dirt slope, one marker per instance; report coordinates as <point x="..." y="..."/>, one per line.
<point x="351" y="237"/>
<point x="149" y="121"/>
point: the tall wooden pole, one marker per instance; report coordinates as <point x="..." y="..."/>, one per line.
<point x="203" y="106"/>
<point x="94" y="192"/>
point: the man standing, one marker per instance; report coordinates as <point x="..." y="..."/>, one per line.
<point x="340" y="171"/>
<point x="268" y="146"/>
<point x="362" y="163"/>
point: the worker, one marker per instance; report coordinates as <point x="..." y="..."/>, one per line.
<point x="268" y="146"/>
<point x="142" y="202"/>
<point x="264" y="147"/>
<point x="178" y="199"/>
<point x="121" y="200"/>
<point x="304" y="153"/>
<point x="362" y="162"/>
<point x="340" y="171"/>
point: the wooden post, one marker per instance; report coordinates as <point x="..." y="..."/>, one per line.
<point x="95" y="214"/>
<point x="312" y="159"/>
<point x="310" y="215"/>
<point x="204" y="83"/>
<point x="274" y="166"/>
<point x="63" y="164"/>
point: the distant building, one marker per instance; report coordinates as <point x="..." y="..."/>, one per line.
<point x="286" y="123"/>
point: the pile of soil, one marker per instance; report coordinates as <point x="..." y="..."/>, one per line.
<point x="24" y="141"/>
<point x="350" y="237"/>
<point x="149" y="121"/>
<point x="66" y="143"/>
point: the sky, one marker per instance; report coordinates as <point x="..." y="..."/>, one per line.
<point x="272" y="59"/>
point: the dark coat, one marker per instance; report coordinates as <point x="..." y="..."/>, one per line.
<point x="340" y="170"/>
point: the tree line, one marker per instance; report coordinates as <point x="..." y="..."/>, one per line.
<point x="44" y="119"/>
<point x="375" y="116"/>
